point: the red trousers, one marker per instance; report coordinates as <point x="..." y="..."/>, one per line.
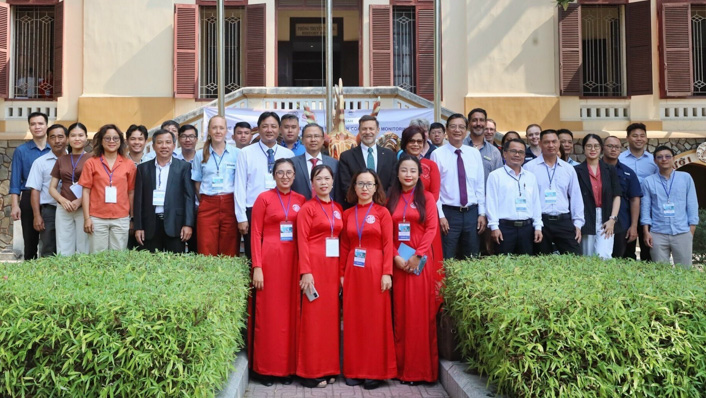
<point x="217" y="227"/>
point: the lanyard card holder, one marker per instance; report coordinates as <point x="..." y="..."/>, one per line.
<point x="286" y="231"/>
<point x="359" y="258"/>
<point x="111" y="195"/>
<point x="404" y="232"/>
<point x="332" y="247"/>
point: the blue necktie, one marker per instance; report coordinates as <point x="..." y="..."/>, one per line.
<point x="371" y="160"/>
<point x="270" y="160"/>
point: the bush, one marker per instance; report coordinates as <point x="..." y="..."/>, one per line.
<point x="699" y="249"/>
<point x="128" y="324"/>
<point x="565" y="326"/>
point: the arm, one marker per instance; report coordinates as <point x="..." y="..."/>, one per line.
<point x="241" y="181"/>
<point x="646" y="205"/>
<point x="692" y="205"/>
<point x="256" y="234"/>
<point x="576" y="200"/>
<point x="189" y="202"/>
<point x="387" y="248"/>
<point x="138" y="194"/>
<point x="435" y="185"/>
<point x="38" y="220"/>
<point x="345" y="248"/>
<point x="303" y="245"/>
<point x="491" y="201"/>
<point x="431" y="226"/>
<point x="86" y="204"/>
<point x="15" y="183"/>
<point x="609" y="226"/>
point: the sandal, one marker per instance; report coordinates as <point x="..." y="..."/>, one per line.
<point x="314" y="383"/>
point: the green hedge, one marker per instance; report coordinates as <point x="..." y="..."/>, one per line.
<point x="564" y="326"/>
<point x="128" y="324"/>
<point x="699" y="249"/>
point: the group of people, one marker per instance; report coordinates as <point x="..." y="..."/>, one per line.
<point x="375" y="219"/>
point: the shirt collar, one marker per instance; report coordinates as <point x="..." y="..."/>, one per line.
<point x="365" y="147"/>
<point x="541" y="160"/>
<point x="169" y="163"/>
<point x="309" y="157"/>
<point x="645" y="154"/>
<point x="512" y="172"/>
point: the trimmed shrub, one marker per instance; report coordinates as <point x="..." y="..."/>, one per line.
<point x="566" y="326"/>
<point x="699" y="248"/>
<point x="124" y="324"/>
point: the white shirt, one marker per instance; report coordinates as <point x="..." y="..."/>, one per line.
<point x="566" y="184"/>
<point x="161" y="178"/>
<point x="364" y="148"/>
<point x="310" y="166"/>
<point x="40" y="177"/>
<point x="504" y="188"/>
<point x="445" y="157"/>
<point x="250" y="175"/>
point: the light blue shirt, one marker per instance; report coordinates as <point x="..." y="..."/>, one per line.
<point x="216" y="166"/>
<point x="561" y="178"/>
<point x="643" y="166"/>
<point x="678" y="191"/>
<point x="40" y="177"/>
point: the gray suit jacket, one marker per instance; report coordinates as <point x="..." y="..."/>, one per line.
<point x="302" y="181"/>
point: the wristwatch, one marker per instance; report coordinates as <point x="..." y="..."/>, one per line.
<point x="418" y="256"/>
<point x="614" y="218"/>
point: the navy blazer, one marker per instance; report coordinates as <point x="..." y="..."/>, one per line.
<point x="352" y="161"/>
<point x="611" y="189"/>
<point x="302" y="180"/>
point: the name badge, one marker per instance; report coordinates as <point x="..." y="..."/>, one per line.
<point x="359" y="258"/>
<point x="217" y="183"/>
<point x="520" y="204"/>
<point x="286" y="231"/>
<point x="77" y="190"/>
<point x="332" y="247"/>
<point x="404" y="232"/>
<point x="158" y="198"/>
<point x="487" y="158"/>
<point x="550" y="196"/>
<point x="269" y="181"/>
<point x="668" y="209"/>
<point x="111" y="195"/>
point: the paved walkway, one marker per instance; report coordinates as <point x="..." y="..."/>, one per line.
<point x="393" y="388"/>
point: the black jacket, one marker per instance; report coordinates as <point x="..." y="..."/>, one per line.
<point x="611" y="189"/>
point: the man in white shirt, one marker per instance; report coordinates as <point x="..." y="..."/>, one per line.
<point x="513" y="205"/>
<point x="462" y="197"/>
<point x="43" y="205"/>
<point x="313" y="139"/>
<point x="253" y="173"/>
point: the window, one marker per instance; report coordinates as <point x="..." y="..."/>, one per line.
<point x="403" y="37"/>
<point x="602" y="51"/>
<point x="698" y="39"/>
<point x="208" y="79"/>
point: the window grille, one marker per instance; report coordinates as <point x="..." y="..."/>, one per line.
<point x="403" y="30"/>
<point x="601" y="30"/>
<point x="698" y="37"/>
<point x="208" y="81"/>
<point x="33" y="52"/>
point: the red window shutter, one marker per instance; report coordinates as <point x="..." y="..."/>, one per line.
<point x="186" y="22"/>
<point x="380" y="45"/>
<point x="4" y="50"/>
<point x="58" y="50"/>
<point x="676" y="47"/>
<point x="425" y="53"/>
<point x="570" y="50"/>
<point x="255" y="38"/>
<point x="638" y="40"/>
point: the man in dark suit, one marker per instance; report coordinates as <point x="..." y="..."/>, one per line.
<point x="366" y="156"/>
<point x="164" y="199"/>
<point x="313" y="139"/>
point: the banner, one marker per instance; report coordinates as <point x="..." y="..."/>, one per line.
<point x="391" y="120"/>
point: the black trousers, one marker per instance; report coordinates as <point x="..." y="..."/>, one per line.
<point x="631" y="248"/>
<point x="163" y="242"/>
<point x="462" y="241"/>
<point x="619" y="244"/>
<point x="191" y="243"/>
<point x="516" y="239"/>
<point x="30" y="236"/>
<point x="558" y="232"/>
<point x="246" y="237"/>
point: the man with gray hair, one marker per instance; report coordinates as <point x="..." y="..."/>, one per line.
<point x="428" y="146"/>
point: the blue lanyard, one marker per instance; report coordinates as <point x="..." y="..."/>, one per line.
<point x="286" y="210"/>
<point x="357" y="224"/>
<point x="110" y="173"/>
<point x="330" y="219"/>
<point x="664" y="185"/>
<point x="218" y="163"/>
<point x="268" y="158"/>
<point x="520" y="177"/>
<point x="74" y="166"/>
<point x="406" y="203"/>
<point x="553" y="172"/>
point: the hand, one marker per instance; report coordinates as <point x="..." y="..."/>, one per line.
<point x="538" y="236"/>
<point x="341" y="281"/>
<point x="186" y="232"/>
<point x="386" y="282"/>
<point x="243" y="227"/>
<point x="132" y="228"/>
<point x="608" y="228"/>
<point x="444" y="225"/>
<point x="140" y="236"/>
<point x="258" y="281"/>
<point x="631" y="235"/>
<point x="497" y="236"/>
<point x="38" y="223"/>
<point x="648" y="238"/>
<point x="15" y="214"/>
<point x="306" y="282"/>
<point x="413" y="264"/>
<point x="692" y="229"/>
<point x="67" y="205"/>
<point x="482" y="223"/>
<point x="88" y="226"/>
<point x="578" y="235"/>
<point x="399" y="263"/>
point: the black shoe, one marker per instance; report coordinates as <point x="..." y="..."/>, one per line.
<point x="313" y="383"/>
<point x="287" y="380"/>
<point x="267" y="381"/>
<point x="353" y="382"/>
<point x="371" y="384"/>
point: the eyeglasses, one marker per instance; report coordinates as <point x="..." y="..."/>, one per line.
<point x="613" y="146"/>
<point x="282" y="173"/>
<point x="593" y="146"/>
<point x="109" y="139"/>
<point x="418" y="142"/>
<point x="366" y="185"/>
<point x="188" y="137"/>
<point x="456" y="127"/>
<point x="515" y="152"/>
<point x="663" y="157"/>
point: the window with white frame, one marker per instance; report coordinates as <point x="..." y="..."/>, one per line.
<point x="33" y="57"/>
<point x="208" y="79"/>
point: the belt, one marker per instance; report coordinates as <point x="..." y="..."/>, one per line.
<point x="47" y="204"/>
<point x="461" y="209"/>
<point x="557" y="217"/>
<point x="160" y="216"/>
<point x="516" y="223"/>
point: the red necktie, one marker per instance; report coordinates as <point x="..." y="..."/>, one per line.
<point x="314" y="161"/>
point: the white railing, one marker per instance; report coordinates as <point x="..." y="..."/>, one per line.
<point x="16" y="110"/>
<point x="605" y="110"/>
<point x="683" y="110"/>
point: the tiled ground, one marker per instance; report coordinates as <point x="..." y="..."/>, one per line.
<point x="393" y="388"/>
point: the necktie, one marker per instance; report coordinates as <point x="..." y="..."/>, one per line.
<point x="314" y="161"/>
<point x="461" y="178"/>
<point x="371" y="160"/>
<point x="270" y="160"/>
